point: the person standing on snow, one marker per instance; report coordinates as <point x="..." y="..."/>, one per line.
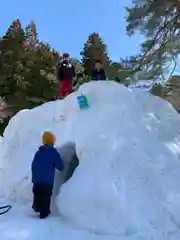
<point x="46" y="160"/>
<point x="65" y="74"/>
<point x="98" y="72"/>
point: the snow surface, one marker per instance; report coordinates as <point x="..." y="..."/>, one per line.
<point x="127" y="185"/>
<point x="20" y="224"/>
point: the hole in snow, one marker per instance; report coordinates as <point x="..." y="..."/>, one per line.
<point x="69" y="156"/>
<point x="71" y="162"/>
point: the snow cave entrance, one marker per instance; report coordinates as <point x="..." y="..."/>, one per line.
<point x="70" y="159"/>
<point x="71" y="162"/>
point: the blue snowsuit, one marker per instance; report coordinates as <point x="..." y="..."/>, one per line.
<point x="46" y="160"/>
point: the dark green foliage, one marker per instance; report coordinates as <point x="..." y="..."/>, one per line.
<point x="27" y="69"/>
<point x="94" y="50"/>
<point x="159" y="22"/>
<point x="158" y="90"/>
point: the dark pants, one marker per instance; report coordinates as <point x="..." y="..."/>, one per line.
<point x="42" y="199"/>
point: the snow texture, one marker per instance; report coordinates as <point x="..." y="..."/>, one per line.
<point x="21" y="224"/>
<point x="128" y="145"/>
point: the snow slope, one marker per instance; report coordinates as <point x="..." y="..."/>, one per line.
<point x="127" y="183"/>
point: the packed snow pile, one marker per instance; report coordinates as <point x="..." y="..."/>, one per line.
<point x="128" y="146"/>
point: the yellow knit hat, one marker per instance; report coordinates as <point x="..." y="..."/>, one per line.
<point x="48" y="138"/>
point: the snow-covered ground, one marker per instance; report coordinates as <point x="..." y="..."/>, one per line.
<point x="20" y="224"/>
<point x="127" y="185"/>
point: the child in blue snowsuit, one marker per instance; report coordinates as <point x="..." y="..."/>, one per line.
<point x="46" y="160"/>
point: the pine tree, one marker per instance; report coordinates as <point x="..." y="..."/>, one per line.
<point x="41" y="76"/>
<point x="27" y="72"/>
<point x="94" y="49"/>
<point x="11" y="47"/>
<point x="31" y="36"/>
<point x="159" y="22"/>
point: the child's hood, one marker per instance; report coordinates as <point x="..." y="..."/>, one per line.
<point x="45" y="147"/>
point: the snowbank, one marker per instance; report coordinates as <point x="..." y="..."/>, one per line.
<point x="128" y="180"/>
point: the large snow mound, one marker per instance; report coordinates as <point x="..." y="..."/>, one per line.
<point x="128" y="145"/>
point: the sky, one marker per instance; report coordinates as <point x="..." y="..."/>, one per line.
<point x="66" y="25"/>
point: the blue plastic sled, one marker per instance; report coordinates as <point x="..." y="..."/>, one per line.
<point x="83" y="102"/>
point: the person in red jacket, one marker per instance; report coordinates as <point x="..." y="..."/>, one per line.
<point x="65" y="74"/>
